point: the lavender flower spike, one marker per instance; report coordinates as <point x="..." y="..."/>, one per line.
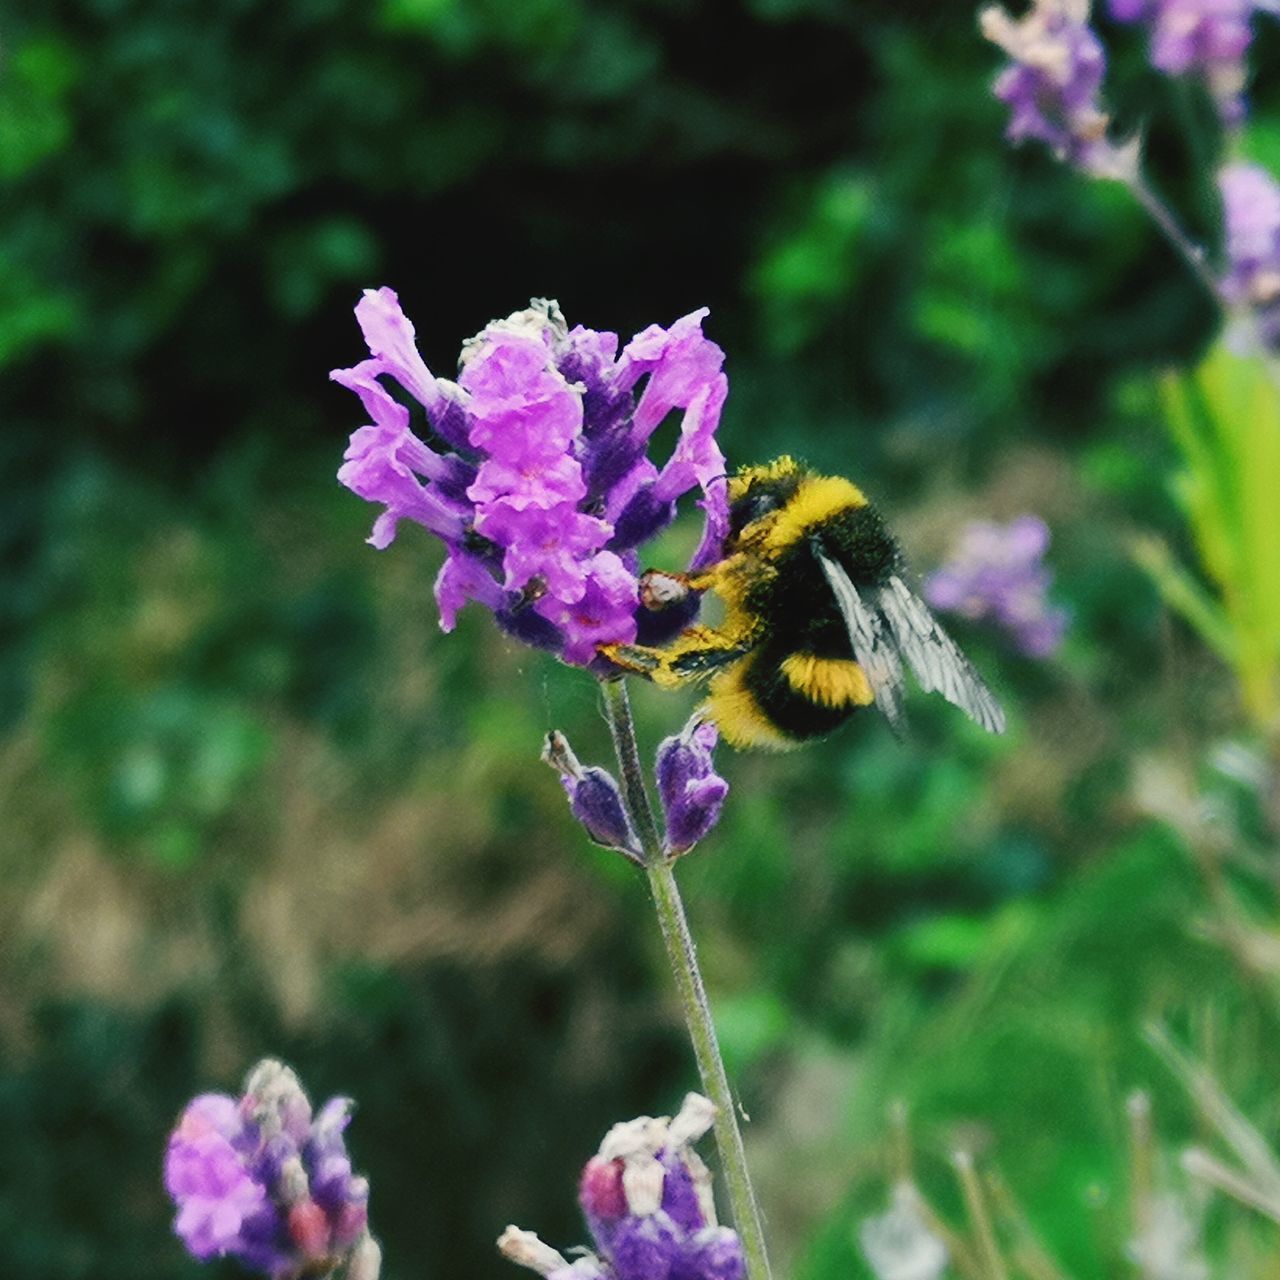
<point x="1251" y="214"/>
<point x="1209" y="38"/>
<point x="691" y="791"/>
<point x="261" y="1180"/>
<point x="1053" y="84"/>
<point x="594" y="798"/>
<point x="533" y="469"/>
<point x="647" y="1200"/>
<point x="997" y="573"/>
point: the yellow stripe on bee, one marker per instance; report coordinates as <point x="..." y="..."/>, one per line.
<point x="747" y="476"/>
<point x="818" y="499"/>
<point x="830" y="682"/>
<point x="738" y="716"/>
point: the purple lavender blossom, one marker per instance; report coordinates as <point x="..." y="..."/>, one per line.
<point x="536" y="475"/>
<point x="260" y="1180"/>
<point x="647" y="1200"/>
<point x="1208" y="38"/>
<point x="691" y="791"/>
<point x="594" y="798"/>
<point x="1053" y="84"/>
<point x="1251" y="217"/>
<point x="997" y="573"/>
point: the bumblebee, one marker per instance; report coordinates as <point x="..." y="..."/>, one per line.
<point x="818" y="618"/>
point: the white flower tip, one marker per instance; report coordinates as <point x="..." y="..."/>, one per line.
<point x="366" y="1260"/>
<point x="696" y="1115"/>
<point x="629" y="1139"/>
<point x="526" y="1250"/>
<point x="557" y="752"/>
<point x="541" y="321"/>
<point x="995" y="24"/>
<point x="642" y="1183"/>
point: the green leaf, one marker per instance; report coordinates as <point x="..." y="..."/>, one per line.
<point x="1225" y="420"/>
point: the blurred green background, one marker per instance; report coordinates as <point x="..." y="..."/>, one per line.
<point x="252" y="801"/>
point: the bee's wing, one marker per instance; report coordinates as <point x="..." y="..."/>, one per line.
<point x="935" y="658"/>
<point x="874" y="649"/>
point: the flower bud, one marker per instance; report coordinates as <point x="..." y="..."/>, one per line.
<point x="366" y="1260"/>
<point x="594" y="798"/>
<point x="691" y="791"/>
<point x="309" y="1229"/>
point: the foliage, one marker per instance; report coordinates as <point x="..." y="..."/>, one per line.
<point x="1225" y="421"/>
<point x="254" y="802"/>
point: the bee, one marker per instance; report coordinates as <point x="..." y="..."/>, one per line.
<point x="818" y="618"/>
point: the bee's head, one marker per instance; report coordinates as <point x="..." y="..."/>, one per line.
<point x="755" y="492"/>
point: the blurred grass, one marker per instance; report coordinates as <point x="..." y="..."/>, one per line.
<point x="252" y="801"/>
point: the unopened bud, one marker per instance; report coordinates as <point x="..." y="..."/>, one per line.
<point x="309" y="1229"/>
<point x="366" y="1260"/>
<point x="691" y="791"/>
<point x="594" y="798"/>
<point x="600" y="1190"/>
<point x="276" y="1102"/>
<point x="292" y="1184"/>
<point x="525" y="1249"/>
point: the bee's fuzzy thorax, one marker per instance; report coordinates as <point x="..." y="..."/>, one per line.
<point x="818" y="500"/>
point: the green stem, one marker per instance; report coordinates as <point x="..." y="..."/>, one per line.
<point x="683" y="958"/>
<point x="1195" y="258"/>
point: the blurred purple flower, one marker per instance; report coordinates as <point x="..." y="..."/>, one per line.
<point x="1209" y="38"/>
<point x="691" y="791"/>
<point x="1251" y="218"/>
<point x="997" y="573"/>
<point x="536" y="476"/>
<point x="1053" y="84"/>
<point x="647" y="1200"/>
<point x="260" y="1180"/>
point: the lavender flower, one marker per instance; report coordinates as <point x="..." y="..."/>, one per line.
<point x="997" y="573"/>
<point x="536" y="475"/>
<point x="691" y="791"/>
<point x="594" y="798"/>
<point x="1209" y="38"/>
<point x="647" y="1200"/>
<point x="1251" y="217"/>
<point x="262" y="1180"/>
<point x="1054" y="82"/>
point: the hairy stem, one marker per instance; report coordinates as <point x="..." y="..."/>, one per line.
<point x="1187" y="249"/>
<point x="683" y="958"/>
<point x="1241" y="317"/>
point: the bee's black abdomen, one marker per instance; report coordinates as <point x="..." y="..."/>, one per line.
<point x="791" y="712"/>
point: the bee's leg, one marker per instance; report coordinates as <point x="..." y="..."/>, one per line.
<point x="694" y="655"/>
<point x="659" y="589"/>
